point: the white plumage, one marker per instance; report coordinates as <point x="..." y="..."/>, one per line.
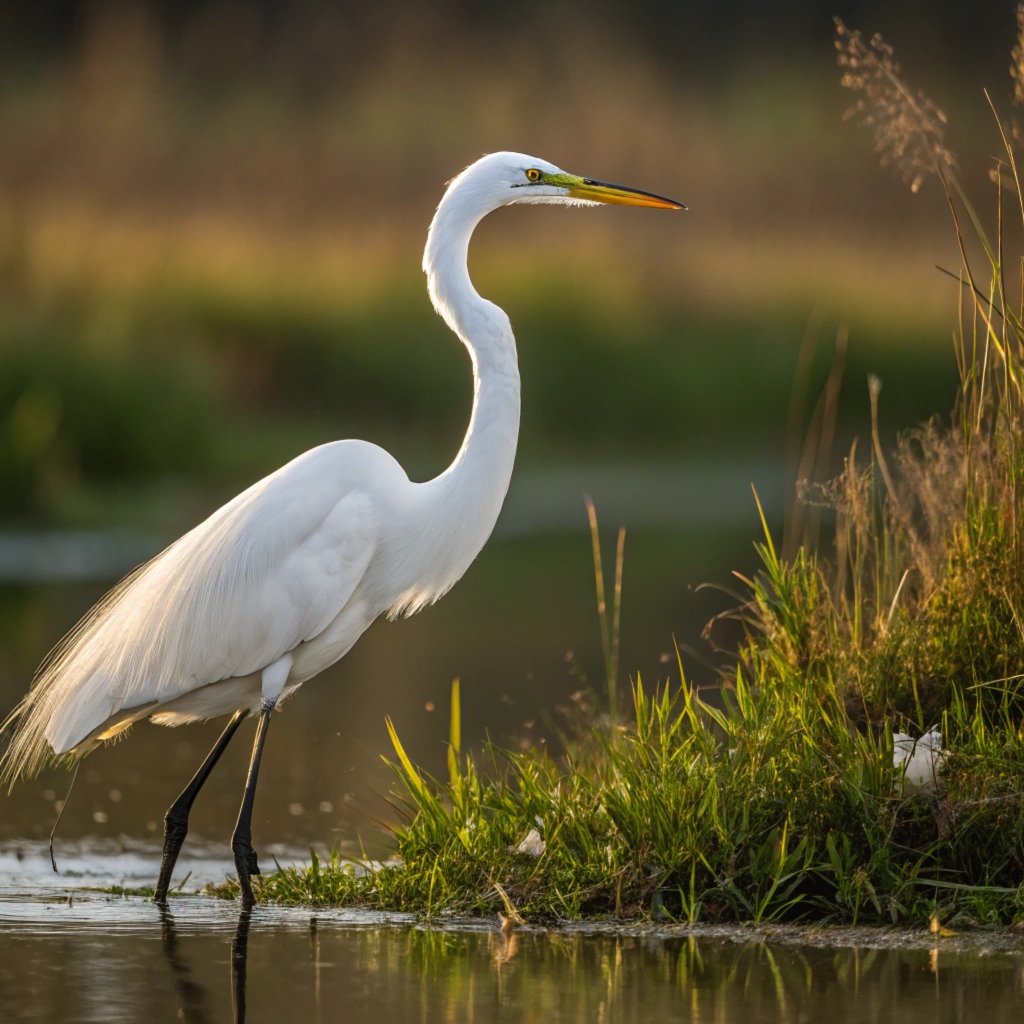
<point x="279" y="583"/>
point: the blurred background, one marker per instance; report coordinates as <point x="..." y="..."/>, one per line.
<point x="211" y="220"/>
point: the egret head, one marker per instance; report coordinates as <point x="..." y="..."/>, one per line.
<point x="537" y="181"/>
<point x="501" y="179"/>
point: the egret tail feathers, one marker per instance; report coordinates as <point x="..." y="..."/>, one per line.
<point x="27" y="751"/>
<point x="41" y="730"/>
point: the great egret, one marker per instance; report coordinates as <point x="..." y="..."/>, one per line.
<point x="280" y="583"/>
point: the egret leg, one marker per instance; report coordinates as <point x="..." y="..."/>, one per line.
<point x="241" y="840"/>
<point x="176" y="818"/>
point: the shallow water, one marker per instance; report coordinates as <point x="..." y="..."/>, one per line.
<point x="93" y="957"/>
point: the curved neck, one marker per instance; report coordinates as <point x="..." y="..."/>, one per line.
<point x="482" y="469"/>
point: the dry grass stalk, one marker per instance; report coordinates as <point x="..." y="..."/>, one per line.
<point x="909" y="127"/>
<point x="1017" y="59"/>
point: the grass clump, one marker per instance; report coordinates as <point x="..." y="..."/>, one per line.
<point x="779" y="798"/>
<point x="145" y="891"/>
<point x="771" y="808"/>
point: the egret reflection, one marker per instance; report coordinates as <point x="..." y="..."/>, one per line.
<point x="191" y="995"/>
<point x="239" y="958"/>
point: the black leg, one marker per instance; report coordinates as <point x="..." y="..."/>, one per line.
<point x="176" y="818"/>
<point x="241" y="840"/>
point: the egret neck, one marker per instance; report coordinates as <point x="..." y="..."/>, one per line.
<point x="473" y="487"/>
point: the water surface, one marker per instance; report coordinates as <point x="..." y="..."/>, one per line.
<point x="93" y="957"/>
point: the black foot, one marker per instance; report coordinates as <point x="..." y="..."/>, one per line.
<point x="246" y="865"/>
<point x="245" y="859"/>
<point x="175" y="831"/>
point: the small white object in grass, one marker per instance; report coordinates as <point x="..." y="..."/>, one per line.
<point x="295" y="809"/>
<point x="326" y="806"/>
<point x="532" y="845"/>
<point x="99" y="817"/>
<point x="921" y="760"/>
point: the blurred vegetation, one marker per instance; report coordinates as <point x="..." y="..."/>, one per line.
<point x="211" y="220"/>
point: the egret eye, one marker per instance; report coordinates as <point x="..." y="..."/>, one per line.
<point x="533" y="174"/>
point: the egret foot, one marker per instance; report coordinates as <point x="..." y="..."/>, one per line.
<point x="175" y="830"/>
<point x="246" y="865"/>
<point x="246" y="861"/>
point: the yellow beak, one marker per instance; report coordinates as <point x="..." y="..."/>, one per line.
<point x="604" y="192"/>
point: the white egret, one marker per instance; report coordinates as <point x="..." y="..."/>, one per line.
<point x="280" y="583"/>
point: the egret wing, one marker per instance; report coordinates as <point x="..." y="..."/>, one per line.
<point x="266" y="572"/>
